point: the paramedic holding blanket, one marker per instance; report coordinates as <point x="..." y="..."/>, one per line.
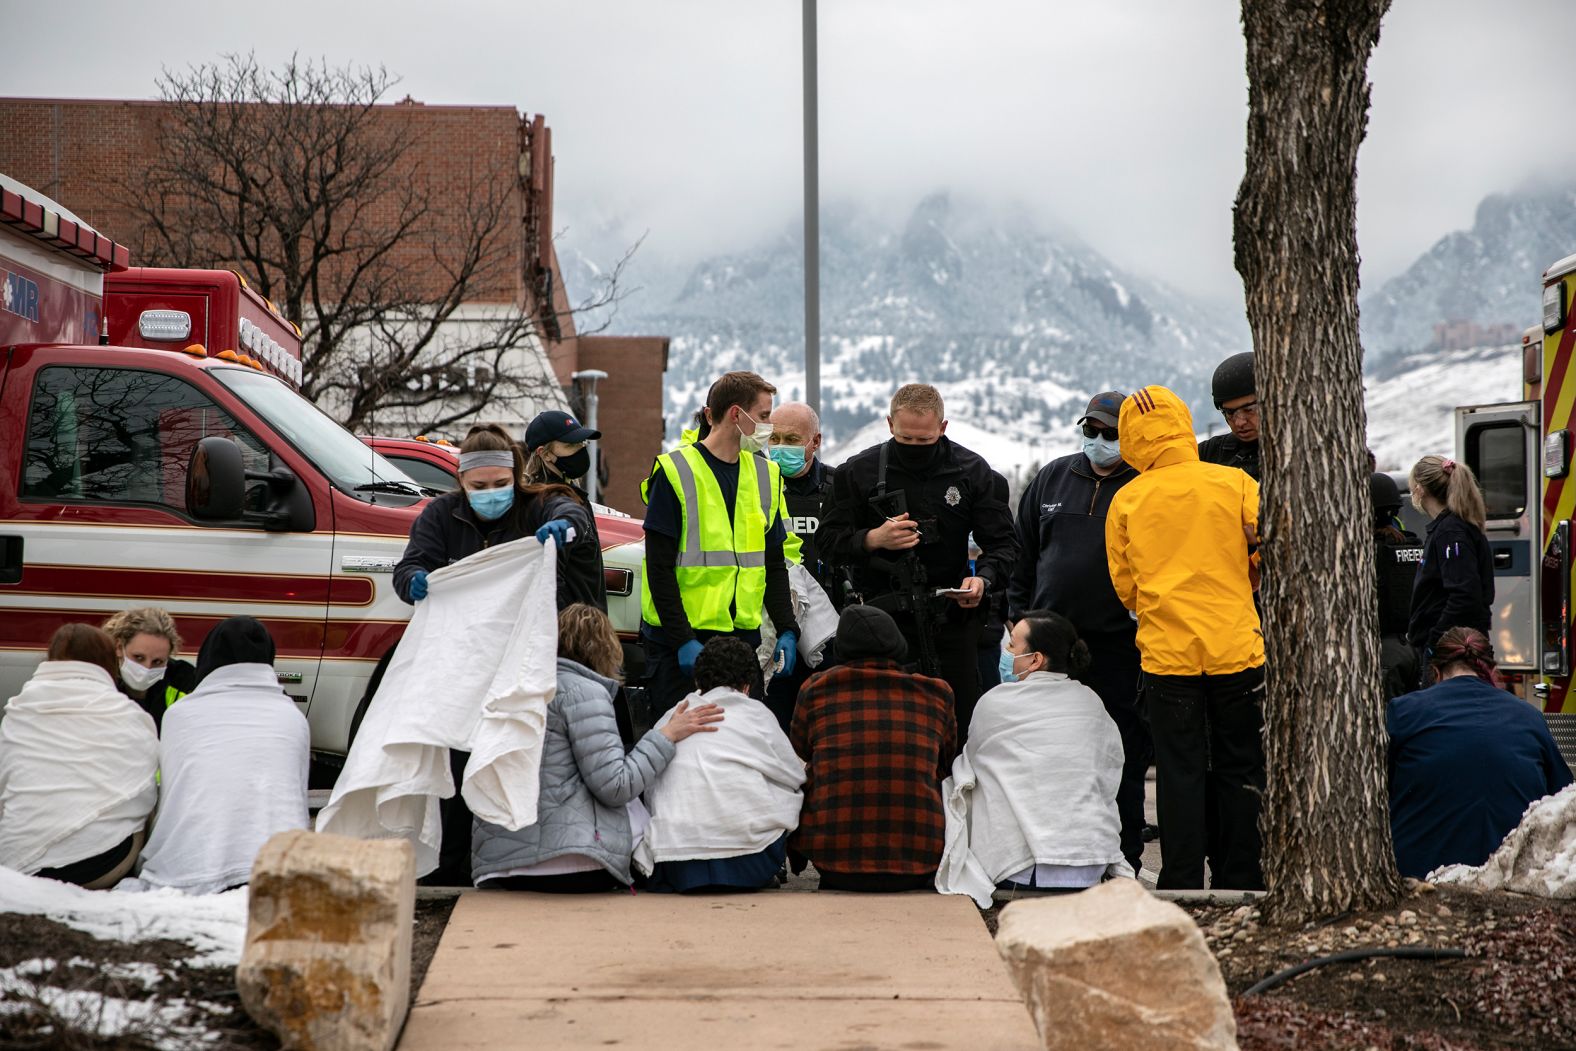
<point x="493" y="506"/>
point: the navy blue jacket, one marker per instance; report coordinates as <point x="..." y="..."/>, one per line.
<point x="1061" y="533"/>
<point x="1466" y="760"/>
<point x="1455" y="581"/>
<point x="448" y="530"/>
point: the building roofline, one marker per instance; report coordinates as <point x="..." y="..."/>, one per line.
<point x="415" y="107"/>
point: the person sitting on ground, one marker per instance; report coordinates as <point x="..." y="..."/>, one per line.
<point x="1031" y="803"/>
<point x="876" y="742"/>
<point x="1466" y="760"/>
<point x="588" y="816"/>
<point x="148" y="671"/>
<point x="233" y="763"/>
<point x="77" y="767"/>
<point x="722" y="810"/>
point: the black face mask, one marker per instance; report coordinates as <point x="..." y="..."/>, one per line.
<point x="575" y="464"/>
<point x="916" y="457"/>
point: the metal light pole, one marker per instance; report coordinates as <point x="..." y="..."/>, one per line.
<point x="592" y="476"/>
<point x="812" y="217"/>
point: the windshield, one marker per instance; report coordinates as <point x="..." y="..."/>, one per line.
<point x="346" y="462"/>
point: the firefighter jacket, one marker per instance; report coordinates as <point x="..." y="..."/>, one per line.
<point x="1176" y="545"/>
<point x="721" y="557"/>
<point x="1396" y="558"/>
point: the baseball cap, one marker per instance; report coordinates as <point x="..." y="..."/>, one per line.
<point x="556" y="425"/>
<point x="1104" y="408"/>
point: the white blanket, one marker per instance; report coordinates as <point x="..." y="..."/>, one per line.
<point x="474" y="671"/>
<point x="233" y="760"/>
<point x="77" y="762"/>
<point x="725" y="794"/>
<point x="1035" y="785"/>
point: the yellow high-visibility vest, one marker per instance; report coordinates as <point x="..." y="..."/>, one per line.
<point x="721" y="565"/>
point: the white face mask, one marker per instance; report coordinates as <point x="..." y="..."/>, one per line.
<point x="137" y="676"/>
<point x="755" y="442"/>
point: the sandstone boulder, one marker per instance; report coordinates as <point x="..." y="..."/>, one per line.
<point x="326" y="965"/>
<point x="1113" y="967"/>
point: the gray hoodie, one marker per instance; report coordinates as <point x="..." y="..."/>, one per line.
<point x="586" y="781"/>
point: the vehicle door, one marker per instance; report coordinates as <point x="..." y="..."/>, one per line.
<point x="104" y="524"/>
<point x="1500" y="444"/>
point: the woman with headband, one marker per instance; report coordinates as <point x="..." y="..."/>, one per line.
<point x="493" y="506"/>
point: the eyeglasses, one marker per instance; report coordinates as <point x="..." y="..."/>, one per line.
<point x="1091" y="431"/>
<point x="1251" y="408"/>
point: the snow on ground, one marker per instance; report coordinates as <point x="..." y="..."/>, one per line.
<point x="167" y="1021"/>
<point x="1539" y="857"/>
<point x="214" y="925"/>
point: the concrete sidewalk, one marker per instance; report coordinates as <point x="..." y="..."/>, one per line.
<point x="759" y="971"/>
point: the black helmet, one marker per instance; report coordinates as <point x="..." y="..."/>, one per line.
<point x="1386" y="495"/>
<point x="1233" y="378"/>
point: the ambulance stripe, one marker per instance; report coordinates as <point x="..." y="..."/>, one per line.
<point x="1558" y="498"/>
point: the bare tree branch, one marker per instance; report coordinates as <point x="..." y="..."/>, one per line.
<point x="295" y="177"/>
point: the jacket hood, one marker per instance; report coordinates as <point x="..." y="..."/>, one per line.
<point x="1156" y="429"/>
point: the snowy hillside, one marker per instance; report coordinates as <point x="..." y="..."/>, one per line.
<point x="1490" y="274"/>
<point x="1016" y="325"/>
<point x="1411" y="404"/>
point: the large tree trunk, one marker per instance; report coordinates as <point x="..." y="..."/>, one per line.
<point x="1326" y="826"/>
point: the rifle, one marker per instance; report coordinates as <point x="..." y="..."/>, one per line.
<point x="911" y="594"/>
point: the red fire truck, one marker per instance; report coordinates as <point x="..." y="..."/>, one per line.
<point x="154" y="450"/>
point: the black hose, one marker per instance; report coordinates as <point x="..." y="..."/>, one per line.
<point x="1414" y="952"/>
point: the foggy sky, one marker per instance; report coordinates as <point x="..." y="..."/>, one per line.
<point x="1122" y="120"/>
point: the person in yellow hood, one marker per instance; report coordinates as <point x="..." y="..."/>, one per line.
<point x="1179" y="542"/>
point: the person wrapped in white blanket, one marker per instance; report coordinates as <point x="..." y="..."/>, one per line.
<point x="722" y="810"/>
<point x="1031" y="802"/>
<point x="233" y="762"/>
<point x="77" y="766"/>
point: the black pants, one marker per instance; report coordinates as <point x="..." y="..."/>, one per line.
<point x="1113" y="674"/>
<point x="1397" y="666"/>
<point x="782" y="693"/>
<point x="877" y="882"/>
<point x="666" y="684"/>
<point x="454" y="851"/>
<point x="1209" y="762"/>
<point x="957" y="640"/>
<point x="596" y="881"/>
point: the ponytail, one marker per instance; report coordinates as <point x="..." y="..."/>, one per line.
<point x="1466" y="646"/>
<point x="1054" y="636"/>
<point x="1454" y="485"/>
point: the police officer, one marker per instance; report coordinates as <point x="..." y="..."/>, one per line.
<point x="714" y="542"/>
<point x="807" y="485"/>
<point x="900" y="519"/>
<point x="1397" y="554"/>
<point x="1236" y="396"/>
<point x="1061" y="530"/>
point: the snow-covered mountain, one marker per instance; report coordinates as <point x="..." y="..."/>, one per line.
<point x="1488" y="276"/>
<point x="1016" y="325"/>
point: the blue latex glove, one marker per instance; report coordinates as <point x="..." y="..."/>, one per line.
<point x="787" y="651"/>
<point x="687" y="654"/>
<point x="558" y="529"/>
<point x="418" y="585"/>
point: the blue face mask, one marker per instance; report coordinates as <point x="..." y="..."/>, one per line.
<point x="1102" y="453"/>
<point x="790" y="458"/>
<point x="1009" y="660"/>
<point x="491" y="503"/>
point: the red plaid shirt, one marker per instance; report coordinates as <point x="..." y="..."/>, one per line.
<point x="876" y="742"/>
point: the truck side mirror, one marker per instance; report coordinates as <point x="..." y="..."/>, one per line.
<point x="216" y="480"/>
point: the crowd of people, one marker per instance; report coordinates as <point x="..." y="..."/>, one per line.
<point x="998" y="685"/>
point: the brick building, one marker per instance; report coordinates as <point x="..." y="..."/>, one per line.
<point x="82" y="152"/>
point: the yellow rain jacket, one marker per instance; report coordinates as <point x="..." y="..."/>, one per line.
<point x="1175" y="545"/>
